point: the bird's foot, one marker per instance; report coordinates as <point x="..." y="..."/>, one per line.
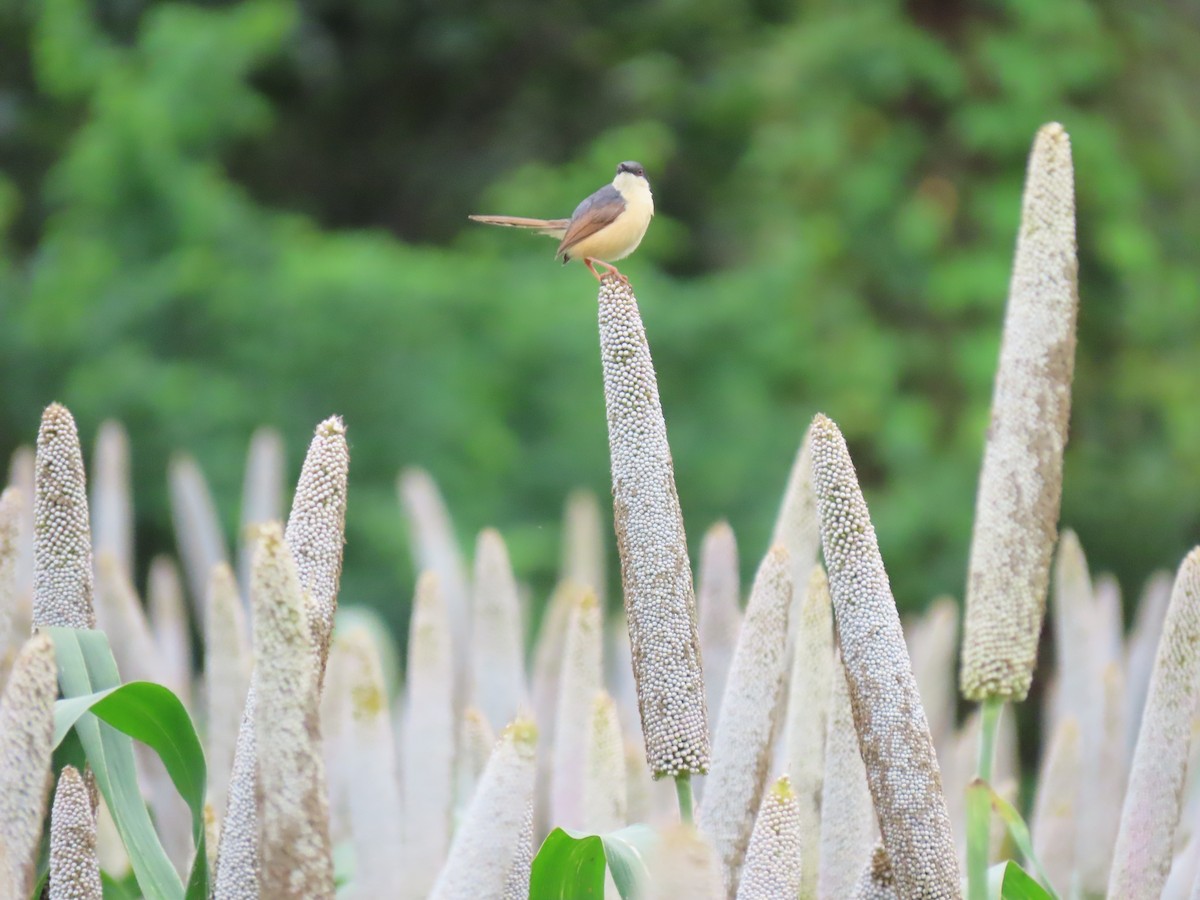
<point x="610" y="269"/>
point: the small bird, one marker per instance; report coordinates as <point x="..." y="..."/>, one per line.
<point x="606" y="226"/>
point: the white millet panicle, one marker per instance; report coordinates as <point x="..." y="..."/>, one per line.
<point x="1020" y="486"/>
<point x="475" y="742"/>
<point x="427" y="752"/>
<point x="169" y="623"/>
<point x="684" y="864"/>
<point x="796" y="527"/>
<point x="62" y="538"/>
<point x="490" y="841"/>
<point x="227" y="665"/>
<point x="772" y="868"/>
<point x="237" y="858"/>
<point x="742" y="749"/>
<point x="1053" y="823"/>
<point x="198" y="532"/>
<point x="583" y="543"/>
<point x="316" y="529"/>
<point x="847" y="837"/>
<point x="808" y="716"/>
<point x="293" y="814"/>
<point x="434" y="548"/>
<point x="581" y="676"/>
<point x="718" y="598"/>
<point x="74" y="867"/>
<point x="262" y="495"/>
<point x="516" y="886"/>
<point x="11" y="501"/>
<point x="1142" y="857"/>
<point x="369" y="754"/>
<point x="26" y="742"/>
<point x="878" y="881"/>
<point x="604" y="794"/>
<point x="112" y="501"/>
<point x="655" y="570"/>
<point x="497" y="655"/>
<point x="893" y="735"/>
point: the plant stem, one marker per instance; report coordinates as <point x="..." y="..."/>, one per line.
<point x="978" y="811"/>
<point x="683" y="789"/>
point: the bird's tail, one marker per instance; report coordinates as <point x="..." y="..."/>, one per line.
<point x="555" y="228"/>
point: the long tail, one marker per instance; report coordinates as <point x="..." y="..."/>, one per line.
<point x="554" y="228"/>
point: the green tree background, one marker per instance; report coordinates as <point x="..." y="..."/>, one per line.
<point x="215" y="216"/>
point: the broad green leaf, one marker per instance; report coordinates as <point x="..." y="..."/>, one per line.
<point x="571" y="864"/>
<point x="625" y="852"/>
<point x="152" y="714"/>
<point x="1008" y="881"/>
<point x="567" y="868"/>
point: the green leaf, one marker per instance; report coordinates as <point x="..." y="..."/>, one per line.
<point x="117" y="890"/>
<point x="152" y="714"/>
<point x="567" y="868"/>
<point x="1008" y="881"/>
<point x="571" y="864"/>
<point x="1019" y="832"/>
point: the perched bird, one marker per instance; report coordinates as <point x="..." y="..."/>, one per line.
<point x="606" y="226"/>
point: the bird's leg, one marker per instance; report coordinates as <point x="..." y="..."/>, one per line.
<point x="587" y="261"/>
<point x="610" y="269"/>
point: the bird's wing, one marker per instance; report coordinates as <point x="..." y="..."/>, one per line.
<point x="597" y="211"/>
<point x="555" y="228"/>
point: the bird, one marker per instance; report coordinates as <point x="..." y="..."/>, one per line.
<point x="605" y="227"/>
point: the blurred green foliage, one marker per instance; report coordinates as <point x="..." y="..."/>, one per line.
<point x="216" y="216"/>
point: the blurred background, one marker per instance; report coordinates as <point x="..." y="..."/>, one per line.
<point x="215" y="216"/>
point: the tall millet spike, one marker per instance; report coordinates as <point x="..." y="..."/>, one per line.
<point x="74" y="867"/>
<point x="605" y="799"/>
<point x="684" y="864"/>
<point x="427" y="753"/>
<point x="62" y="540"/>
<point x="112" y="498"/>
<point x="197" y="527"/>
<point x="772" y="866"/>
<point x="262" y="495"/>
<point x="1020" y="486"/>
<point x="893" y="735"/>
<point x="1149" y="818"/>
<point x="488" y="845"/>
<point x="742" y="749"/>
<point x="228" y="662"/>
<point x="655" y="571"/>
<point x="516" y="886"/>
<point x="1055" y="809"/>
<point x="373" y="789"/>
<point x="237" y="870"/>
<point x="581" y="676"/>
<point x="293" y="816"/>
<point x="806" y="724"/>
<point x="11" y="502"/>
<point x="26" y="742"/>
<point x="796" y="527"/>
<point x="583" y="543"/>
<point x="718" y="598"/>
<point x="169" y="622"/>
<point x="497" y="655"/>
<point x="434" y="548"/>
<point x="316" y="529"/>
<point x="847" y="838"/>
